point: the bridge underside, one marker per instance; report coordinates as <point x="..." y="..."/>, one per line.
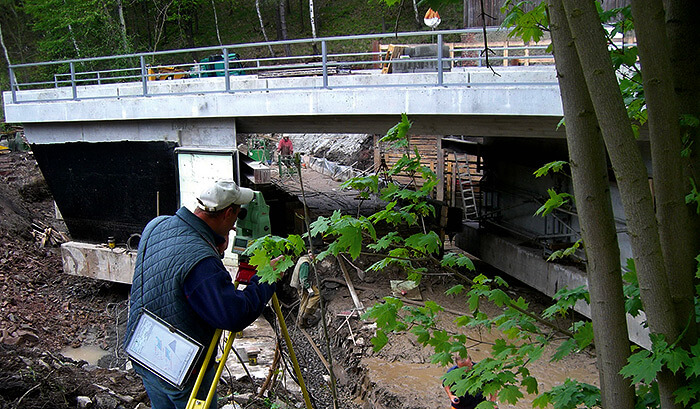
<point x="467" y="125"/>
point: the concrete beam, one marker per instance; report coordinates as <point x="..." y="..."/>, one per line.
<point x="98" y="261"/>
<point x="531" y="267"/>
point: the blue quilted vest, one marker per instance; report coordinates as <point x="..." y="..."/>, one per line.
<point x="169" y="248"/>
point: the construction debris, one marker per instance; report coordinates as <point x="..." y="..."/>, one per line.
<point x="47" y="236"/>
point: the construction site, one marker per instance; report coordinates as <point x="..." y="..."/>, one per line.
<point x="62" y="334"/>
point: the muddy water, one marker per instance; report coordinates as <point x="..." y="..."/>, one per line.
<point x="89" y="353"/>
<point x="419" y="384"/>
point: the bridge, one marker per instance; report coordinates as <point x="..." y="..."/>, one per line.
<point x="445" y="91"/>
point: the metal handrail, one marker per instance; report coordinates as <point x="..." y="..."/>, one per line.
<point x="136" y="63"/>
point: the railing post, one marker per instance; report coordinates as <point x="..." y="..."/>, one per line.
<point x="439" y="59"/>
<point x="226" y="70"/>
<point x="325" y="63"/>
<point x="99" y="78"/>
<point x="13" y="86"/>
<point x="72" y="81"/>
<point x="144" y="77"/>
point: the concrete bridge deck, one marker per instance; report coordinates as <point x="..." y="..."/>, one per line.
<point x="519" y="101"/>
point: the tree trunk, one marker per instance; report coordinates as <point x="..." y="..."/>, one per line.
<point x="415" y="12"/>
<point x="283" y="25"/>
<point x="592" y="191"/>
<point x="4" y="49"/>
<point x="216" y="22"/>
<point x="13" y="80"/>
<point x="465" y="14"/>
<point x="683" y="35"/>
<point x="630" y="173"/>
<point x="301" y="13"/>
<point x="312" y="18"/>
<point x="122" y="26"/>
<point x="262" y="27"/>
<point x="665" y="141"/>
<point x="161" y="19"/>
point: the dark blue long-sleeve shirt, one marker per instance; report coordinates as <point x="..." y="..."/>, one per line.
<point x="211" y="293"/>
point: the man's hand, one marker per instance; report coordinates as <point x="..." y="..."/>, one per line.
<point x="274" y="262"/>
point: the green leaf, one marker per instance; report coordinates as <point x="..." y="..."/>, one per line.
<point x="541" y="401"/>
<point x="694" y="196"/>
<point x="385" y="314"/>
<point x="443" y="358"/>
<point x="457" y="259"/>
<point x="455" y="290"/>
<point x="499" y="297"/>
<point x="386" y="241"/>
<point x="570" y="251"/>
<point x="530" y="385"/>
<point x="641" y="367"/>
<point x="510" y="394"/>
<point x="565" y="349"/>
<point x="685" y="394"/>
<point x="675" y="359"/>
<point x="379" y="340"/>
<point x="584" y="335"/>
<point x="422" y="335"/>
<point x="555" y="200"/>
<point x="429" y="243"/>
<point x="398" y="132"/>
<point x="555" y="166"/>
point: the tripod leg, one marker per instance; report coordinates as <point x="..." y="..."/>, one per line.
<point x="292" y="355"/>
<point x="200" y="377"/>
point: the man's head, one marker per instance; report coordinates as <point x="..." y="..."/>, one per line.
<point x="219" y="204"/>
<point x="462" y="362"/>
<point x="286" y="137"/>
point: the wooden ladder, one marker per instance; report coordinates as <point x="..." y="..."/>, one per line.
<point x="465" y="186"/>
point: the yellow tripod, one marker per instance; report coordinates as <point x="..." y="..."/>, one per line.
<point x="195" y="403"/>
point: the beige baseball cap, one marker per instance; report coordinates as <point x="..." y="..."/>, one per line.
<point x="223" y="193"/>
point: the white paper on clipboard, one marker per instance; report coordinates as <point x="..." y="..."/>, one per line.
<point x="163" y="349"/>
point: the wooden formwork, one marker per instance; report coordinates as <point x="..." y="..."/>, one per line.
<point x="439" y="160"/>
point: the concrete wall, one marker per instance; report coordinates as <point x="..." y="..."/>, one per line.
<point x="204" y="132"/>
<point x="530" y="266"/>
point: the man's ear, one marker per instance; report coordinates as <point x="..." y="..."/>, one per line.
<point x="233" y="211"/>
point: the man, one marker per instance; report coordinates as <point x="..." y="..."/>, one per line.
<point x="309" y="295"/>
<point x="466" y="401"/>
<point x="285" y="151"/>
<point x="284" y="147"/>
<point x="180" y="278"/>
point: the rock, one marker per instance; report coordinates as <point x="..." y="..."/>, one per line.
<point x="242" y="398"/>
<point x="84" y="402"/>
<point x="142" y="405"/>
<point x="106" y="402"/>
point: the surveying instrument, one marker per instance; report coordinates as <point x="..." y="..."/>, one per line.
<point x="255" y="224"/>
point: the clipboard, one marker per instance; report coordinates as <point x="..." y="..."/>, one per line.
<point x="163" y="349"/>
